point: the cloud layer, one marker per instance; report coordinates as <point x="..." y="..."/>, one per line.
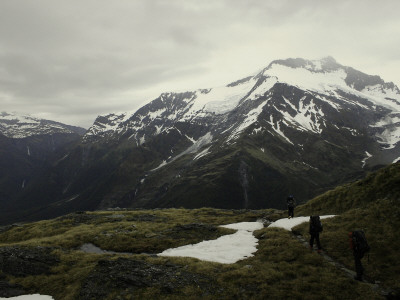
<point x="73" y="60"/>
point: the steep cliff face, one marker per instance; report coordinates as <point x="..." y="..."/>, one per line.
<point x="296" y="127"/>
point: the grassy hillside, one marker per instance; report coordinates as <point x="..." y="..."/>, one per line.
<point x="383" y="184"/>
<point x="44" y="257"/>
<point x="371" y="204"/>
<point x="282" y="267"/>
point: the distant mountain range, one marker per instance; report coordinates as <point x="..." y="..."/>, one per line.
<point x="297" y="127"/>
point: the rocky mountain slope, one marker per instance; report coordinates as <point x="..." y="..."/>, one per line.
<point x="26" y="143"/>
<point x="297" y="127"/>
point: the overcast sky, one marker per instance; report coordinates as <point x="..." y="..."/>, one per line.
<point x="72" y="60"/>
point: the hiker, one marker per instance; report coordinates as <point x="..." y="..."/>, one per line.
<point x="359" y="245"/>
<point x="315" y="229"/>
<point x="291" y="202"/>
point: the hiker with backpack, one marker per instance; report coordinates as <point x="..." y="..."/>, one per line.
<point x="315" y="229"/>
<point x="359" y="245"/>
<point x="291" y="202"/>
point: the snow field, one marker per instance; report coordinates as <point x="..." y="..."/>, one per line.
<point x="31" y="297"/>
<point x="288" y="224"/>
<point x="229" y="249"/>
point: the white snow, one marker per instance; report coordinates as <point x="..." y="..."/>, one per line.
<point x="364" y="161"/>
<point x="383" y="97"/>
<point x="263" y="88"/>
<point x="306" y="79"/>
<point x="329" y="82"/>
<point x="251" y="117"/>
<point x="30" y="297"/>
<point x="164" y="162"/>
<point x="197" y="145"/>
<point x="219" y="100"/>
<point x="277" y="129"/>
<point x="202" y="153"/>
<point x="155" y="114"/>
<point x="17" y="126"/>
<point x="390" y="136"/>
<point x="396" y="160"/>
<point x="288" y="224"/>
<point x="227" y="249"/>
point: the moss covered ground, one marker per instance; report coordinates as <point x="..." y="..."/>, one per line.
<point x="282" y="268"/>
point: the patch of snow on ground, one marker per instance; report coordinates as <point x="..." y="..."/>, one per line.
<point x="30" y="297"/>
<point x="288" y="224"/>
<point x="227" y="249"/>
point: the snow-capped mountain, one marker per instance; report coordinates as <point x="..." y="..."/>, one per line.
<point x="297" y="127"/>
<point x="16" y="126"/>
<point x="26" y="144"/>
<point x="325" y="86"/>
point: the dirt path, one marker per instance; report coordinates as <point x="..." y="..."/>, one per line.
<point x="349" y="273"/>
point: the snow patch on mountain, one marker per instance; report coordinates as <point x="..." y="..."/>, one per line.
<point x="17" y="126"/>
<point x="107" y="124"/>
<point x="219" y="100"/>
<point x="328" y="82"/>
<point x="307" y="117"/>
<point x="308" y="80"/>
<point x="277" y="128"/>
<point x="250" y="118"/>
<point x="264" y="87"/>
<point x="155" y="114"/>
<point x="364" y="161"/>
<point x="197" y="145"/>
<point x="389" y="137"/>
<point x="390" y="134"/>
<point x="389" y="98"/>
<point x="202" y="153"/>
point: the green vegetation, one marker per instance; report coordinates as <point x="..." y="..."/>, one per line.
<point x="371" y="204"/>
<point x="282" y="268"/>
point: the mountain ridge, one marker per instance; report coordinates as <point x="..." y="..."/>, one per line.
<point x="245" y="145"/>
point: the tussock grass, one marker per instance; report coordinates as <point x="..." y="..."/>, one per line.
<point x="282" y="268"/>
<point x="66" y="278"/>
<point x="380" y="221"/>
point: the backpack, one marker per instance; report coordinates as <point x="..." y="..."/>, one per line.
<point x="290" y="201"/>
<point x="360" y="243"/>
<point x="316" y="225"/>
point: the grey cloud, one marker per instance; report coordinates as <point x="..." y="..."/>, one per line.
<point x="72" y="57"/>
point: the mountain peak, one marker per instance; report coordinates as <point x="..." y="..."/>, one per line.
<point x="327" y="63"/>
<point x="14" y="125"/>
